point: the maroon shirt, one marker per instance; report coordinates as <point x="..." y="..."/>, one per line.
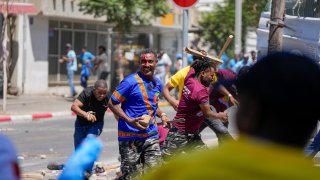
<point x="218" y="100"/>
<point x="193" y="94"/>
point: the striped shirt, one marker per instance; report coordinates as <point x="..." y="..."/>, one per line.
<point x="138" y="96"/>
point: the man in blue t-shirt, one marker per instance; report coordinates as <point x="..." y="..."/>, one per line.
<point x="86" y="62"/>
<point x="138" y="94"/>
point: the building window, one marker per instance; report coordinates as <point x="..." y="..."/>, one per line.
<point x="63" y="5"/>
<point x="72" y="5"/>
<point x="54" y="5"/>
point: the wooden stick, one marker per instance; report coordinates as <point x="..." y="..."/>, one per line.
<point x="32" y="175"/>
<point x="226" y="44"/>
<point x="199" y="54"/>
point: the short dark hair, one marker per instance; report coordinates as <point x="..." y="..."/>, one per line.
<point x="200" y="65"/>
<point x="102" y="47"/>
<point x="148" y="51"/>
<point x="284" y="89"/>
<point x="100" y="84"/>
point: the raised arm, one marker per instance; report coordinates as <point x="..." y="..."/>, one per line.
<point x="166" y="94"/>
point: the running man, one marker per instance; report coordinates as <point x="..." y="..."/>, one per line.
<point x="194" y="107"/>
<point x="139" y="95"/>
<point x="177" y="81"/>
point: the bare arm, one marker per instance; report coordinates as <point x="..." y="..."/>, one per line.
<point x="76" y="108"/>
<point x="164" y="117"/>
<point x="223" y="90"/>
<point x="118" y="112"/>
<point x="205" y="108"/>
<point x="172" y="101"/>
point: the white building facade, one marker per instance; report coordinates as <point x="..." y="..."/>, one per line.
<point x="40" y="39"/>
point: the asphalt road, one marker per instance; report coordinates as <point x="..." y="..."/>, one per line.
<point x="44" y="141"/>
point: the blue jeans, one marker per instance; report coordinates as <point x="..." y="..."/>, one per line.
<point x="85" y="73"/>
<point x="70" y="81"/>
<point x="314" y="147"/>
<point x="81" y="131"/>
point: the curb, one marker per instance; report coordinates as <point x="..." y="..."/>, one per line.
<point x="38" y="116"/>
<point x="35" y="117"/>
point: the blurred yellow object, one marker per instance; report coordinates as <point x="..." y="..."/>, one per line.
<point x="167" y="20"/>
<point x="214" y="78"/>
<point x="244" y="159"/>
<point x="177" y="80"/>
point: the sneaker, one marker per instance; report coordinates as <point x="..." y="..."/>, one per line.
<point x="55" y="166"/>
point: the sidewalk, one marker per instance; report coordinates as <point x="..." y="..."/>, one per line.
<point x="34" y="107"/>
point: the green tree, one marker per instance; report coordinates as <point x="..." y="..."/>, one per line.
<point x="220" y="23"/>
<point x="125" y="13"/>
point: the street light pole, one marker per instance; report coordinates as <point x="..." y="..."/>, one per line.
<point x="185" y="30"/>
<point x="238" y="25"/>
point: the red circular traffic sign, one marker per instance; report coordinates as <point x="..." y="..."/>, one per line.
<point x="185" y="3"/>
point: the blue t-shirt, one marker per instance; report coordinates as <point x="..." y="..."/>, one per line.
<point x="72" y="65"/>
<point x="138" y="96"/>
<point x="87" y="56"/>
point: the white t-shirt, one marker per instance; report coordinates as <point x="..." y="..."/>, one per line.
<point x="104" y="64"/>
<point x="163" y="61"/>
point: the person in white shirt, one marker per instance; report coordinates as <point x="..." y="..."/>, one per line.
<point x="163" y="66"/>
<point x="101" y="64"/>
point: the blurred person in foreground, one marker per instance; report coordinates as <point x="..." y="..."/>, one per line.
<point x="313" y="147"/>
<point x="9" y="168"/>
<point x="276" y="116"/>
<point x="194" y="107"/>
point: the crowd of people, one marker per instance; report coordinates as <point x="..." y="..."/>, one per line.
<point x="276" y="116"/>
<point x="88" y="63"/>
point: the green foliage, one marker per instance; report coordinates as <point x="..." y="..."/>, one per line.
<point x="125" y="13"/>
<point x="220" y="23"/>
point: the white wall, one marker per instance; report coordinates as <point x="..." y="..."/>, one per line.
<point x="35" y="55"/>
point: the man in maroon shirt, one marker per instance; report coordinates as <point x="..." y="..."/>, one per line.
<point x="194" y="107"/>
<point x="221" y="95"/>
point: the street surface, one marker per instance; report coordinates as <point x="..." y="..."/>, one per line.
<point x="44" y="141"/>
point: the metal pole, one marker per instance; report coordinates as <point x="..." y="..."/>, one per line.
<point x="5" y="85"/>
<point x="185" y="30"/>
<point x="238" y="26"/>
<point x="276" y="31"/>
<point x="109" y="55"/>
